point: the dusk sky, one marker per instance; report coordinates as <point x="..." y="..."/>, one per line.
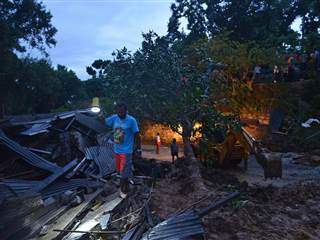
<point x="93" y="29"/>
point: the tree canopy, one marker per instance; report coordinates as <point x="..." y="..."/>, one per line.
<point x="264" y="21"/>
<point x="23" y="24"/>
<point x="183" y="78"/>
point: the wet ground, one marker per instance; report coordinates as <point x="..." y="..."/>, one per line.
<point x="291" y="173"/>
<point x="287" y="208"/>
<point x="149" y="151"/>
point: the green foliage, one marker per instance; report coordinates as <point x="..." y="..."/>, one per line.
<point x="263" y="21"/>
<point x="162" y="82"/>
<point x="41" y="88"/>
<point x="23" y="24"/>
<point x="240" y="58"/>
<point x="309" y="11"/>
<point x="236" y="80"/>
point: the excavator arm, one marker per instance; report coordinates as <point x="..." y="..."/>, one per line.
<point x="270" y="162"/>
<point x="237" y="147"/>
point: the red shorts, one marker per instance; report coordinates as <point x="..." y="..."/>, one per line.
<point x="123" y="164"/>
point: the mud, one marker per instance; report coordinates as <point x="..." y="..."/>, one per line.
<point x="291" y="211"/>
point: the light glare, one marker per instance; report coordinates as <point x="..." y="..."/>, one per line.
<point x="95" y="109"/>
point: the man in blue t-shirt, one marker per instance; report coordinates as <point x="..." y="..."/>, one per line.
<point x="126" y="140"/>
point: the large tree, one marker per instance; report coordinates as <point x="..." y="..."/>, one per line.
<point x="23" y="24"/>
<point x="41" y="88"/>
<point x="264" y="21"/>
<point x="309" y="11"/>
<point x="160" y="82"/>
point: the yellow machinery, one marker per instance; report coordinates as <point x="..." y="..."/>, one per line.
<point x="231" y="151"/>
<point x="236" y="148"/>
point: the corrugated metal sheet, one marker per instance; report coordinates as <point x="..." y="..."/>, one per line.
<point x="36" y="129"/>
<point x="177" y="227"/>
<point x="62" y="186"/>
<point x="30" y="157"/>
<point x="18" y="208"/>
<point x="130" y="233"/>
<point x="90" y="122"/>
<point x="6" y="192"/>
<point x="104" y="158"/>
<point x="19" y="188"/>
<point x="44" y="118"/>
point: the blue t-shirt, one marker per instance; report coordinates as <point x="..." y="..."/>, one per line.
<point x="124" y="130"/>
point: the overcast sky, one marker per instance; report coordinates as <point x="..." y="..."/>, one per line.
<point x="93" y="29"/>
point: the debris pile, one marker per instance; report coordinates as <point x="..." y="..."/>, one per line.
<point x="49" y="164"/>
<point x="58" y="181"/>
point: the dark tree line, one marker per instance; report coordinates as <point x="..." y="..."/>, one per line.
<point x="265" y="21"/>
<point x="30" y="85"/>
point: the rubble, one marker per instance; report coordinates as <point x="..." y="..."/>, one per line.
<point x="46" y="171"/>
<point x="58" y="181"/>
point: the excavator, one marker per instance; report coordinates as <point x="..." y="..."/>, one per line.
<point x="237" y="146"/>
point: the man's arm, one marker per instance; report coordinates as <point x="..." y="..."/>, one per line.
<point x="137" y="152"/>
<point x="137" y="138"/>
<point x="107" y="121"/>
<point x="137" y="141"/>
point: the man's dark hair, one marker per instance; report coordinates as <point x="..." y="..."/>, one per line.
<point x="121" y="105"/>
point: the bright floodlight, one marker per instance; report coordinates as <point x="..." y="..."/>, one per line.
<point x="95" y="109"/>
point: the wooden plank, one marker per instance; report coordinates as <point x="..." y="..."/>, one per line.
<point x="69" y="216"/>
<point x="39" y="223"/>
<point x="93" y="218"/>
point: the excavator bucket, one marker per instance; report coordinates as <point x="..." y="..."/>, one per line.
<point x="273" y="168"/>
<point x="269" y="161"/>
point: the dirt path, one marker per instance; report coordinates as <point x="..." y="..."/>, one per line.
<point x="148" y="151"/>
<point x="292" y="173"/>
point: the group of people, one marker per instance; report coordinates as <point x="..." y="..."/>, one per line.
<point x="299" y="65"/>
<point x="174" y="148"/>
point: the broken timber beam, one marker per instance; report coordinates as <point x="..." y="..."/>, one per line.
<point x="221" y="203"/>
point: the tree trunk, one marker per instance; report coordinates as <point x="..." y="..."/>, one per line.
<point x="193" y="163"/>
<point x="186" y="134"/>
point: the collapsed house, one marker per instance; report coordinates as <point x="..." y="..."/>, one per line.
<point x="58" y="181"/>
<point x="46" y="160"/>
